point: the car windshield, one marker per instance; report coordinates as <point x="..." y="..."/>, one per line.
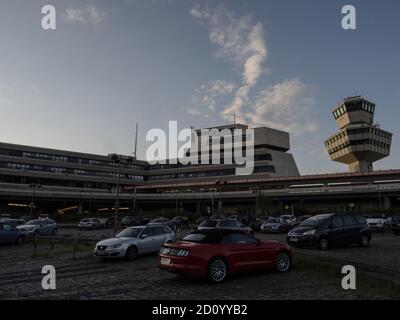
<point x="375" y="216"/>
<point x="274" y="220"/>
<point x="314" y="221"/>
<point x="194" y="237"/>
<point x="33" y="222"/>
<point x="209" y="223"/>
<point x="85" y="220"/>
<point x="130" y="233"/>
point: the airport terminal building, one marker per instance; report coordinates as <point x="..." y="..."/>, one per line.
<point x="58" y="179"/>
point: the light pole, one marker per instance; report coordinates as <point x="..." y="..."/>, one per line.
<point x="117" y="159"/>
<point x="33" y="186"/>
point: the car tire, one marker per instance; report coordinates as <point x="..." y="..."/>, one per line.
<point x="323" y="244"/>
<point x="364" y="241"/>
<point x="217" y="270"/>
<point x="283" y="262"/>
<point x="131" y="253"/>
<point x="19" y="240"/>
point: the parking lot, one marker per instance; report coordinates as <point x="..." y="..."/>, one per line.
<point x="86" y="277"/>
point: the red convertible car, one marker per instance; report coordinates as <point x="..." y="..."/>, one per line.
<point x="217" y="253"/>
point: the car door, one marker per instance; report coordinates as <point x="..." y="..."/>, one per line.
<point x="244" y="252"/>
<point x="8" y="234"/>
<point x="336" y="231"/>
<point x="148" y="241"/>
<point x="351" y="228"/>
<point x="160" y="237"/>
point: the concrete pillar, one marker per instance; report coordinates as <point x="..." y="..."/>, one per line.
<point x="387" y="203"/>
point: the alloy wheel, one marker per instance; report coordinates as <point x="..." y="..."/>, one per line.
<point x="218" y="270"/>
<point x="282" y="262"/>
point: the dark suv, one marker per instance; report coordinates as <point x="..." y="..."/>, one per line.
<point x="395" y="224"/>
<point x="327" y="230"/>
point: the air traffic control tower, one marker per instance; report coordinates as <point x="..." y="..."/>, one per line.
<point x="359" y="142"/>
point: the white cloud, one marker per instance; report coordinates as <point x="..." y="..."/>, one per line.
<point x="88" y="15"/>
<point x="286" y="106"/>
<point x="208" y="96"/>
<point x="240" y="41"/>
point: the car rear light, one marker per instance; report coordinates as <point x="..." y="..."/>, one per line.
<point x="174" y="252"/>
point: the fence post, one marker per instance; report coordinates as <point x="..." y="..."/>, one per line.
<point x="35" y="243"/>
<point x="75" y="248"/>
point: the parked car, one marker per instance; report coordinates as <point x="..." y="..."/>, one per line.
<point x="39" y="227"/>
<point x="134" y="241"/>
<point x="217" y="253"/>
<point x="256" y="225"/>
<point x="395" y="224"/>
<point x="164" y="222"/>
<point x="43" y="216"/>
<point x="181" y="221"/>
<point x="239" y="218"/>
<point x="135" y="221"/>
<point x="111" y="221"/>
<point x="376" y="223"/>
<point x="224" y="224"/>
<point x="275" y="225"/>
<point x="201" y="219"/>
<point x="13" y="222"/>
<point x="9" y="234"/>
<point x="90" y="223"/>
<point x="291" y="219"/>
<point x="5" y="216"/>
<point x="328" y="230"/>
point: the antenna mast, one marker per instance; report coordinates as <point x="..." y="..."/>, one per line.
<point x="136" y="134"/>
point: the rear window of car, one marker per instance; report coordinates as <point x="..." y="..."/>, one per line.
<point x="209" y="223"/>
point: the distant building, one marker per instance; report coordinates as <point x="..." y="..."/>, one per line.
<point x="360" y="142"/>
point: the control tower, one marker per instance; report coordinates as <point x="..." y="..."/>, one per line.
<point x="359" y="142"/>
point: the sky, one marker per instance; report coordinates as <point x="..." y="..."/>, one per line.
<point x="277" y="63"/>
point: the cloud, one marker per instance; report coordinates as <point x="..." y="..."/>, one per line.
<point x="286" y="106"/>
<point x="239" y="41"/>
<point x="89" y="15"/>
<point x="208" y="96"/>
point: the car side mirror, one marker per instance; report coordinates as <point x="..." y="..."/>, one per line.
<point x="143" y="236"/>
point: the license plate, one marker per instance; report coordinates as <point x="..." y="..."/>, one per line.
<point x="294" y="239"/>
<point x="165" y="261"/>
<point x="100" y="253"/>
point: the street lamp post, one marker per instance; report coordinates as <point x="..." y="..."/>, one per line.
<point x="33" y="186"/>
<point x="117" y="159"/>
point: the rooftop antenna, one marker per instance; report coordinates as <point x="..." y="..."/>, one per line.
<point x="234" y="118"/>
<point x="136" y="134"/>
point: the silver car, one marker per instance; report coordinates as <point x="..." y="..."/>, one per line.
<point x="134" y="241"/>
<point x="90" y="223"/>
<point x="42" y="227"/>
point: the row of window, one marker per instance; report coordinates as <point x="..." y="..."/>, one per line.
<point x="78" y="172"/>
<point x="354" y="106"/>
<point x="203" y="174"/>
<point x="344" y="134"/>
<point x="52" y="157"/>
<point x="359" y="142"/>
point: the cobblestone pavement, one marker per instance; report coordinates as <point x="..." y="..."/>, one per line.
<point x="89" y="278"/>
<point x="383" y="254"/>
